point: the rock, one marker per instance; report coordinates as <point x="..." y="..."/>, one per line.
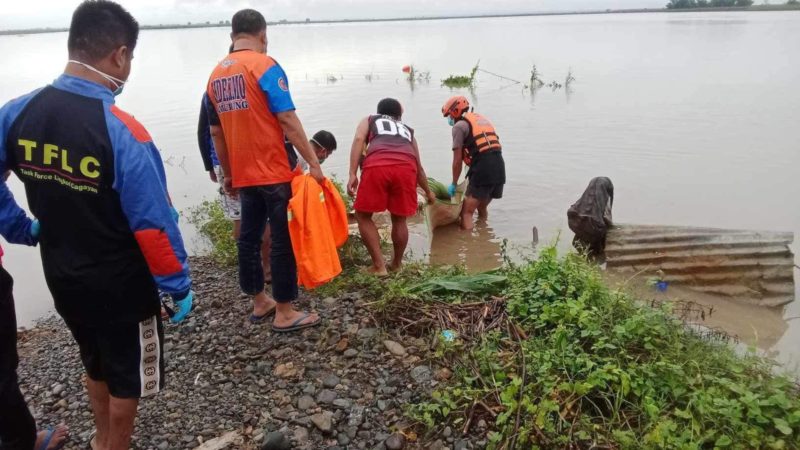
<point x="330" y="381"/>
<point x="460" y="445"/>
<point x="323" y="421"/>
<point x="421" y="374"/>
<point x="326" y="396"/>
<point x="305" y="402"/>
<point x="482" y="424"/>
<point x="356" y="416"/>
<point x="342" y="403"/>
<point x="350" y="353"/>
<point x="286" y="370"/>
<point x="395" y="442"/>
<point x="447" y="432"/>
<point x="443" y="374"/>
<point x="275" y="441"/>
<point x="329" y="301"/>
<point x="58" y="389"/>
<point x="343" y="439"/>
<point x="342" y="345"/>
<point x="367" y="333"/>
<point x="436" y="445"/>
<point x="356" y="394"/>
<point x="395" y="348"/>
<point x="300" y="436"/>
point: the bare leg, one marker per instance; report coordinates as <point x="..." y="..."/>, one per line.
<point x="266" y="248"/>
<point x="99" y="399"/>
<point x="122" y="415"/>
<point x="399" y="241"/>
<point x="262" y="304"/>
<point x="483" y="208"/>
<point x="468" y="211"/>
<point x="371" y="238"/>
<point x="237" y="229"/>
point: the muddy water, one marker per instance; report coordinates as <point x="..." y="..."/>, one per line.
<point x="693" y="116"/>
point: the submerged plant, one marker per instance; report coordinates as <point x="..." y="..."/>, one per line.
<point x="569" y="79"/>
<point x="536" y="78"/>
<point x="462" y="81"/>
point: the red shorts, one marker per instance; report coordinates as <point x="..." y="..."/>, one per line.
<point x="388" y="187"/>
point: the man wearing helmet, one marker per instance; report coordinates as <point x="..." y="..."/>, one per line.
<point x="476" y="144"/>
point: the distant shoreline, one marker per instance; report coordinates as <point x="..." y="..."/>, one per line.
<point x="219" y="24"/>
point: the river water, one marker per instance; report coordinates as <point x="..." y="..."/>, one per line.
<point x="694" y="116"/>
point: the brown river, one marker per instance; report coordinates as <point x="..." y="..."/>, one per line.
<point x="694" y="116"/>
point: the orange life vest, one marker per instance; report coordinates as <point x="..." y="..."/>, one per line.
<point x="482" y="137"/>
<point x="316" y="227"/>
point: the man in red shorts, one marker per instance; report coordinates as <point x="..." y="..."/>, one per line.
<point x="390" y="173"/>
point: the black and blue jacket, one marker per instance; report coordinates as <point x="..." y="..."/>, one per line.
<point x="96" y="182"/>
<point x="204" y="141"/>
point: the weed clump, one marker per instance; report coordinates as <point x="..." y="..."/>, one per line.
<point x="582" y="366"/>
<point x="462" y="81"/>
<point x="216" y="229"/>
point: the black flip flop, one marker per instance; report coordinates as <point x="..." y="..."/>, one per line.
<point x="297" y="325"/>
<point x="254" y="319"/>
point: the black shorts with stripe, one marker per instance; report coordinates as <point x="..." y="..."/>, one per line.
<point x="128" y="357"/>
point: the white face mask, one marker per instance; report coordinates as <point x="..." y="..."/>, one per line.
<point x="118" y="84"/>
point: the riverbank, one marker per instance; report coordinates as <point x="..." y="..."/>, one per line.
<point x="538" y="353"/>
<point x="226" y="24"/>
<point x="335" y="386"/>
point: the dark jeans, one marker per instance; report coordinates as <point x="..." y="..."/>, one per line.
<point x="262" y="204"/>
<point x="17" y="427"/>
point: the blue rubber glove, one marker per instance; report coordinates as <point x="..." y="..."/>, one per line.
<point x="184" y="307"/>
<point x="451" y="190"/>
<point x="175" y="214"/>
<point x="35" y="229"/>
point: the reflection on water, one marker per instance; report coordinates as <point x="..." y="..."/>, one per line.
<point x="678" y="115"/>
<point x="478" y="250"/>
<point x="764" y="328"/>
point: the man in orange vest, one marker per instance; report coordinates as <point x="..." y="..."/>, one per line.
<point x="476" y="144"/>
<point x="251" y="115"/>
<point x="390" y="174"/>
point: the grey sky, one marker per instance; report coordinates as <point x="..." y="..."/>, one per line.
<point x="56" y="13"/>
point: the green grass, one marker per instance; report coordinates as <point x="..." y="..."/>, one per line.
<point x="215" y="229"/>
<point x="570" y="363"/>
<point x="588" y="367"/>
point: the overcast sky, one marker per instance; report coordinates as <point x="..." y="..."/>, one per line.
<point x="17" y="14"/>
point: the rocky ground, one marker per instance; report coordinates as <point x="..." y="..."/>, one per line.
<point x="342" y="385"/>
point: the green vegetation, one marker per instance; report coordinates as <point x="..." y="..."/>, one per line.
<point x="689" y="4"/>
<point x="438" y="189"/>
<point x="216" y="230"/>
<point x="580" y="366"/>
<point x="550" y="357"/>
<point x="462" y="81"/>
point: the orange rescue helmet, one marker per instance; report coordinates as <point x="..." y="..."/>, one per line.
<point x="455" y="106"/>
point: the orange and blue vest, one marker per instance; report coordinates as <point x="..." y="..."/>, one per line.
<point x="482" y="137"/>
<point x="96" y="182"/>
<point x="246" y="91"/>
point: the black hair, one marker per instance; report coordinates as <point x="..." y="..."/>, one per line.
<point x="99" y="27"/>
<point x="325" y="139"/>
<point x="390" y="107"/>
<point x="248" y="21"/>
